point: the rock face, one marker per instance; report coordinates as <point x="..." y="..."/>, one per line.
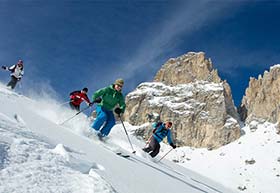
<point x="188" y="92"/>
<point x="187" y="68"/>
<point x="261" y="100"/>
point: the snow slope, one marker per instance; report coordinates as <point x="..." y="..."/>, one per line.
<point x="39" y="155"/>
<point x="250" y="164"/>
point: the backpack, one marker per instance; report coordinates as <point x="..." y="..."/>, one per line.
<point x="157" y="125"/>
<point x="159" y="131"/>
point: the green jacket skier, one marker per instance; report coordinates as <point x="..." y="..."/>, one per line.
<point x="111" y="97"/>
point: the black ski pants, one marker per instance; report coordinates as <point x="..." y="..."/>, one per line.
<point x="74" y="107"/>
<point x="153" y="147"/>
<point x="13" y="82"/>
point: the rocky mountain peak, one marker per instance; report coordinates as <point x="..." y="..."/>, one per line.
<point x="261" y="100"/>
<point x="188" y="92"/>
<point x="187" y="68"/>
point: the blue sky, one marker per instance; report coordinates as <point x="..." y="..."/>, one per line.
<point x="68" y="45"/>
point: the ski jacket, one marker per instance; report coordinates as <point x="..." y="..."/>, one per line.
<point x="16" y="71"/>
<point x="160" y="132"/>
<point x="77" y="97"/>
<point x="110" y="98"/>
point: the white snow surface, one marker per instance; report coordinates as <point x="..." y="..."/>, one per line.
<point x="230" y="164"/>
<point x="38" y="155"/>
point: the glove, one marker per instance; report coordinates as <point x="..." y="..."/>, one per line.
<point x="19" y="79"/>
<point x="4" y="67"/>
<point x="173" y="145"/>
<point x="118" y="111"/>
<point x="97" y="100"/>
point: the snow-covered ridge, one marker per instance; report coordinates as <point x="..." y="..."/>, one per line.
<point x="181" y="89"/>
<point x="175" y="97"/>
<point x="274" y="66"/>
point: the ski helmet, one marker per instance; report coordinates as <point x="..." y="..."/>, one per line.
<point x="85" y="89"/>
<point x="20" y="62"/>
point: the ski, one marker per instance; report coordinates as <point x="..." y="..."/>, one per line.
<point x="103" y="141"/>
<point x="123" y="155"/>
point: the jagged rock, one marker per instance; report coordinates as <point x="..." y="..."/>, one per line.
<point x="262" y="97"/>
<point x="278" y="128"/>
<point x="188" y="92"/>
<point x="187" y="68"/>
<point x="222" y="154"/>
<point x="242" y="188"/>
<point x="252" y="161"/>
<point x="242" y="111"/>
<point x="253" y="125"/>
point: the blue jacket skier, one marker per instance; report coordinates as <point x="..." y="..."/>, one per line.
<point x="161" y="130"/>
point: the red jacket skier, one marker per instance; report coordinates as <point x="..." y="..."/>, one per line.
<point x="77" y="97"/>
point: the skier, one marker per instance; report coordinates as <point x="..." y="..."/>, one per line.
<point x="161" y="130"/>
<point x="77" y="97"/>
<point x="111" y="97"/>
<point x="16" y="73"/>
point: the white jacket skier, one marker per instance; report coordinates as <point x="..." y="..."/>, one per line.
<point x="16" y="73"/>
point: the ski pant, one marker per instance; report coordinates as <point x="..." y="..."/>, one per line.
<point x="74" y="107"/>
<point x="13" y="82"/>
<point x="153" y="147"/>
<point x="104" y="121"/>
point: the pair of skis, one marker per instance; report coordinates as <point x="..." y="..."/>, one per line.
<point x="121" y="153"/>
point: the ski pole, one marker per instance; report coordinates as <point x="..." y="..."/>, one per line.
<point x="149" y="140"/>
<point x="20" y="85"/>
<point x="164" y="155"/>
<point x="98" y="100"/>
<point x="133" y="151"/>
<point x="65" y="103"/>
<point x="74" y="115"/>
